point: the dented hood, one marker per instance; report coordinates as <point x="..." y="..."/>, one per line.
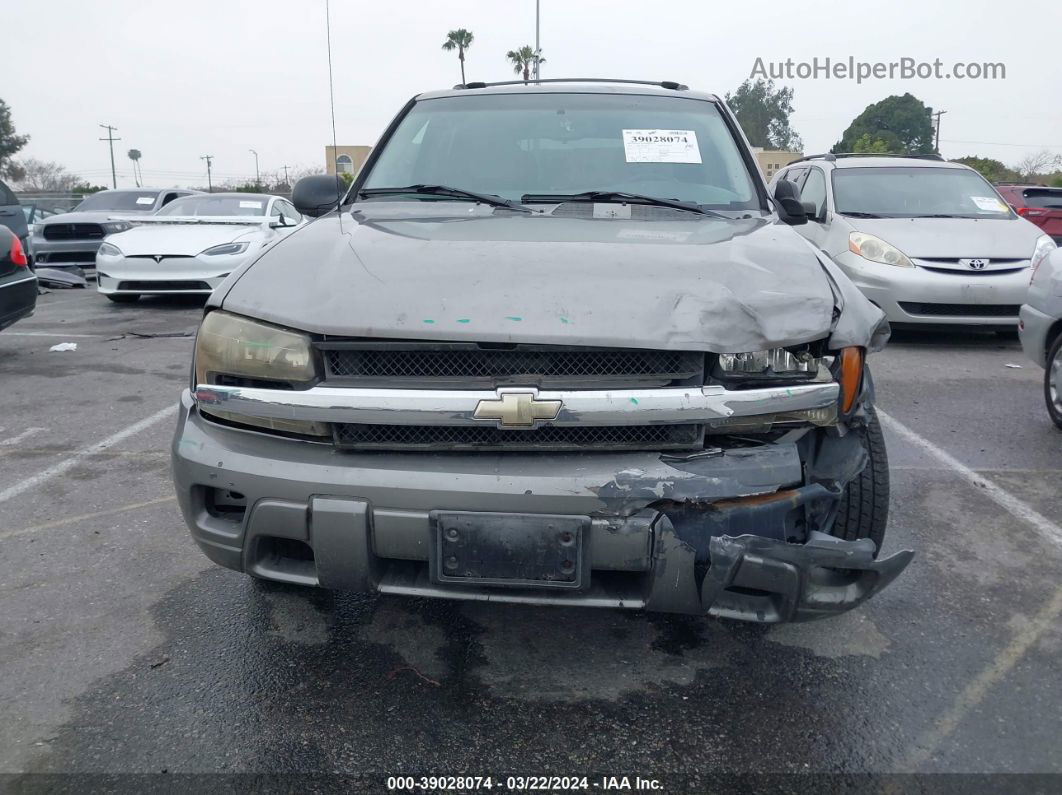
<point x="461" y="272"/>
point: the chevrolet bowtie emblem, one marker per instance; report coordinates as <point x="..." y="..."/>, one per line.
<point x="517" y="410"/>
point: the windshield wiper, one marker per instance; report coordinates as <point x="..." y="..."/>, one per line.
<point x="445" y="190"/>
<point x="615" y="195"/>
<point x="856" y="214"/>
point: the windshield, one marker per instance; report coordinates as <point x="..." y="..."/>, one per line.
<point x="552" y="143"/>
<point x="217" y="205"/>
<point x="916" y="192"/>
<point x="127" y="201"/>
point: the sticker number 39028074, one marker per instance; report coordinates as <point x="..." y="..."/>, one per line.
<point x="661" y="146"/>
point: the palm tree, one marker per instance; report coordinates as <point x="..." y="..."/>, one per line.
<point x="134" y="155"/>
<point x="524" y="60"/>
<point x="459" y="40"/>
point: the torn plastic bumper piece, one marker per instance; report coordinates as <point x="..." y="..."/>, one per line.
<point x="767" y="580"/>
<point x="760" y="579"/>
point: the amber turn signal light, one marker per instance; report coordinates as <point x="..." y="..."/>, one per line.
<point x="850" y="374"/>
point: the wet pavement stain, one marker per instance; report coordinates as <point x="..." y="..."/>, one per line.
<point x="261" y="677"/>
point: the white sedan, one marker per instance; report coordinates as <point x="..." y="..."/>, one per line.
<point x="190" y="245"/>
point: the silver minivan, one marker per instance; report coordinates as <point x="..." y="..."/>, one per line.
<point x="930" y="242"/>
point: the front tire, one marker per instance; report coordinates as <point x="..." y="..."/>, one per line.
<point x="123" y="298"/>
<point x="1053" y="382"/>
<point x="864" y="508"/>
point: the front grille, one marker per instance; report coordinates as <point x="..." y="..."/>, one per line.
<point x="73" y="232"/>
<point x="163" y="286"/>
<point x="961" y="310"/>
<point x="470" y="365"/>
<point x="352" y="436"/>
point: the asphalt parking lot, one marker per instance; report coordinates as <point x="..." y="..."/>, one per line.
<point x="122" y="649"/>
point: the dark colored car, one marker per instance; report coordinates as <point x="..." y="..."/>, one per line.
<point x="18" y="285"/>
<point x="13" y="216"/>
<point x="556" y="345"/>
<point x="1037" y="203"/>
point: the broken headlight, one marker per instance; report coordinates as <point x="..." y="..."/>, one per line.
<point x="236" y="351"/>
<point x="772" y="365"/>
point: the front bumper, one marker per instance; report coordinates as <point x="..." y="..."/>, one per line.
<point x="65" y="253"/>
<point x="733" y="533"/>
<point x="1033" y="333"/>
<point x="961" y="299"/>
<point x="118" y="275"/>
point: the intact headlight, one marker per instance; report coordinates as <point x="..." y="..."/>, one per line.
<point x="114" y="227"/>
<point x="226" y="248"/>
<point x="233" y="350"/>
<point x="109" y="250"/>
<point x="1044" y="246"/>
<point x="877" y="250"/>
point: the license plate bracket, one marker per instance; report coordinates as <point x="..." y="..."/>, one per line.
<point x="511" y="550"/>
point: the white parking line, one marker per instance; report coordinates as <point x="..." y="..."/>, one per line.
<point x="19" y="437"/>
<point x="87" y="452"/>
<point x="1049" y="530"/>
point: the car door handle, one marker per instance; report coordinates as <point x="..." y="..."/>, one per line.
<point x="7" y="212"/>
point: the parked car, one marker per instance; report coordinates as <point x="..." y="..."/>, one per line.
<point x="70" y="240"/>
<point x="930" y="242"/>
<point x="18" y="285"/>
<point x="556" y="345"/>
<point x="191" y="245"/>
<point x="1037" y="203"/>
<point x="13" y="217"/>
<point x="1040" y="329"/>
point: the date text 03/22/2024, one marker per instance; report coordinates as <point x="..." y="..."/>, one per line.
<point x="522" y="783"/>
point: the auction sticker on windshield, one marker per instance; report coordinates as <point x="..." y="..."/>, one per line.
<point x="989" y="204"/>
<point x="661" y="146"/>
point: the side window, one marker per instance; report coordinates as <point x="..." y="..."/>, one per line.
<point x="168" y="198"/>
<point x="6" y="196"/>
<point x="275" y="212"/>
<point x="814" y="191"/>
<point x="289" y="212"/>
<point x="796" y="175"/>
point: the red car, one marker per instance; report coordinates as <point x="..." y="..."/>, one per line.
<point x="1039" y="204"/>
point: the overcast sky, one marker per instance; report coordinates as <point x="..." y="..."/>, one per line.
<point x="219" y="77"/>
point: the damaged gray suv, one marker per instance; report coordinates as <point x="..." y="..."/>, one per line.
<point x="555" y="345"/>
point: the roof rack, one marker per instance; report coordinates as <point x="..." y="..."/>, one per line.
<point x="669" y="84"/>
<point x="831" y="156"/>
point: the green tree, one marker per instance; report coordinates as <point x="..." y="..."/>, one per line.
<point x="10" y="142"/>
<point x="524" y="60"/>
<point x="992" y="170"/>
<point x="905" y="123"/>
<point x="868" y="145"/>
<point x="459" y="40"/>
<point x="763" y="113"/>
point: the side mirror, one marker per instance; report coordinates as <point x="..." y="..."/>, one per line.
<point x="314" y="196"/>
<point x="790" y="209"/>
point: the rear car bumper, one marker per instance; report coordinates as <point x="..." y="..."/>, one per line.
<point x="735" y="533"/>
<point x="924" y="297"/>
<point x="18" y="297"/>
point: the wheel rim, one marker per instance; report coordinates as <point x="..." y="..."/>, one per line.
<point x="1054" y="381"/>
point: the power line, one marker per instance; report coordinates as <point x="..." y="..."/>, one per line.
<point x="1000" y="143"/>
<point x="111" y="139"/>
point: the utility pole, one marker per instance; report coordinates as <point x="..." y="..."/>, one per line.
<point x="111" y="139"/>
<point x="208" y="159"/>
<point x="257" y="180"/>
<point x="286" y="172"/>
<point x="937" y="116"/>
<point x="538" y="48"/>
